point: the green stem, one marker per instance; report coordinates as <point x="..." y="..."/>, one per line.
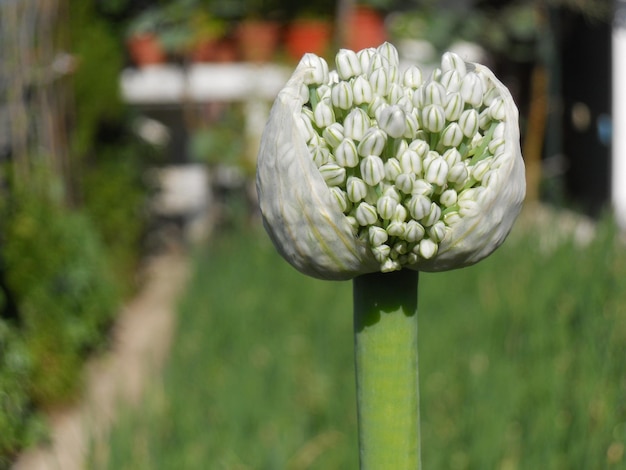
<point x="385" y="329"/>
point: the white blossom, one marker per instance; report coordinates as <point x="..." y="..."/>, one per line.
<point x="362" y="170"/>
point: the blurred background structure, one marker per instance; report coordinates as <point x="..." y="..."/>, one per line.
<point x="131" y="126"/>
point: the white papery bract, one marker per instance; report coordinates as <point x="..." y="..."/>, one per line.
<point x="374" y="167"/>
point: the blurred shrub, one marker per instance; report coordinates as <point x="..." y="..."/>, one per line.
<point x="115" y="198"/>
<point x="17" y="425"/>
<point x="95" y="86"/>
<point x="56" y="269"/>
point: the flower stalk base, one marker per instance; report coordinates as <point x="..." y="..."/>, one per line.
<point x="385" y="329"/>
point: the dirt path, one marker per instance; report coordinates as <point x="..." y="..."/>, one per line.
<point x="141" y="342"/>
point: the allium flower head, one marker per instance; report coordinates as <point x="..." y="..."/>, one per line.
<point x="370" y="168"/>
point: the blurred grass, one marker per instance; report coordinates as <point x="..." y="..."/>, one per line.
<point x="522" y="365"/>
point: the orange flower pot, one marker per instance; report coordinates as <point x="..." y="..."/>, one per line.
<point x="308" y="35"/>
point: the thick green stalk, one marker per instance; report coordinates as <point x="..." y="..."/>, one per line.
<point x="385" y="329"/>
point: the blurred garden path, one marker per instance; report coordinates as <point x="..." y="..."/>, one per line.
<point x="140" y="344"/>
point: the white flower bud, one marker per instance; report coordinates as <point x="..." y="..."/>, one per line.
<point x="317" y="140"/>
<point x="432" y="93"/>
<point x="322" y="93"/>
<point x="348" y="64"/>
<point x="400" y="214"/>
<point x="404" y="182"/>
<point x="362" y="91"/>
<point x="458" y="173"/>
<point x="484" y="119"/>
<point x="372" y="170"/>
<point x="451" y="61"/>
<point x="346" y="154"/>
<point x="490" y="94"/>
<point x="405" y="101"/>
<point x="333" y="134"/>
<point x="468" y="121"/>
<point x="316" y="69"/>
<point x="340" y="198"/>
<point x="437" y="231"/>
<point x="396" y="93"/>
<point x="490" y="179"/>
<point x="400" y="248"/>
<point x="396" y="228"/>
<point x="386" y="207"/>
<point x="392" y="120"/>
<point x="410" y="162"/>
<point x="454" y="106"/>
<point x="323" y="114"/>
<point x="381" y="253"/>
<point x="392" y="169"/>
<point x="305" y="126"/>
<point x="390" y="265"/>
<point x="433" y="118"/>
<point x="353" y="224"/>
<point x="495" y="145"/>
<point x="420" y="146"/>
<point x="452" y="135"/>
<point x="393" y="193"/>
<point x="451" y="80"/>
<point x="376" y="105"/>
<point x="451" y="218"/>
<point x="411" y="126"/>
<point x="434" y="214"/>
<point x="414" y="231"/>
<point x="365" y="57"/>
<point x="320" y="155"/>
<point x="377" y="236"/>
<point x="452" y="157"/>
<point x="373" y="142"/>
<point x="377" y="61"/>
<point x="333" y="174"/>
<point x="472" y="89"/>
<point x="356" y="189"/>
<point x="412" y="77"/>
<point x="497" y="109"/>
<point x="341" y="95"/>
<point x="419" y="206"/>
<point x="389" y="52"/>
<point x="479" y="170"/>
<point x="429" y="157"/>
<point x="427" y="248"/>
<point x="448" y="197"/>
<point x="436" y="171"/>
<point x="356" y="124"/>
<point x="468" y="208"/>
<point x="422" y="187"/>
<point x="435" y="74"/>
<point x="366" y="214"/>
<point x="379" y="79"/>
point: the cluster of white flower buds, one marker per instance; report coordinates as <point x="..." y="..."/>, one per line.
<point x="404" y="157"/>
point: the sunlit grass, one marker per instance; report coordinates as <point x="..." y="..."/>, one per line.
<point x="521" y="365"/>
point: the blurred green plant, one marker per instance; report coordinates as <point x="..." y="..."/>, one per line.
<point x="69" y="249"/>
<point x="18" y="424"/>
<point x="99" y="49"/>
<point x="220" y="142"/>
<point x="115" y="198"/>
<point x="56" y="269"/>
